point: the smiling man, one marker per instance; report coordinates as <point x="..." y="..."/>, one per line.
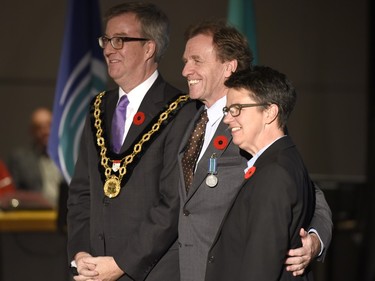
<point x="123" y="199"/>
<point x="212" y="53"/>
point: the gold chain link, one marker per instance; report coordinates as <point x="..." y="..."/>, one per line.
<point x="137" y="147"/>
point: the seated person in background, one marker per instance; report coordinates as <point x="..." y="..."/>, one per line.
<point x="6" y="181"/>
<point x="31" y="167"/>
<point x="277" y="197"/>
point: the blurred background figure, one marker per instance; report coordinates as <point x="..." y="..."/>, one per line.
<point x="30" y="167"/>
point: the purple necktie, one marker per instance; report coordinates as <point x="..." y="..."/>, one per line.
<point x="118" y="123"/>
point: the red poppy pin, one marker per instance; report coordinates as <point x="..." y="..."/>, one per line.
<point x="220" y="142"/>
<point x="250" y="172"/>
<point x="139" y="118"/>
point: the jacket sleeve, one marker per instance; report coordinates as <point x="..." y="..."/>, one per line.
<point x="79" y="202"/>
<point x="322" y="221"/>
<point x="159" y="231"/>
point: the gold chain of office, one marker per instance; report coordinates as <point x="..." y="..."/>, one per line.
<point x="112" y="185"/>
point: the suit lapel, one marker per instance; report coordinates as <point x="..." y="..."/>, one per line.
<point x="109" y="106"/>
<point x="280" y="144"/>
<point x="264" y="159"/>
<point x="202" y="168"/>
<point x="151" y="105"/>
<point x="218" y="233"/>
<point x="184" y="141"/>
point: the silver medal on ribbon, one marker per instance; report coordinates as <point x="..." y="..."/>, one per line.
<point x="211" y="179"/>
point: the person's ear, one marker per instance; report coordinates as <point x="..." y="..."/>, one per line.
<point x="230" y="67"/>
<point x="150" y="49"/>
<point x="272" y="112"/>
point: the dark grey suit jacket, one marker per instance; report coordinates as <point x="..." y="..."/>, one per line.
<point x="139" y="225"/>
<point x="265" y="219"/>
<point x="203" y="208"/>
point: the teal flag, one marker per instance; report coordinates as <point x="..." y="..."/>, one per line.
<point x="241" y="14"/>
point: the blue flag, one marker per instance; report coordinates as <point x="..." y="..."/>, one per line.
<point x="82" y="74"/>
<point x="241" y="14"/>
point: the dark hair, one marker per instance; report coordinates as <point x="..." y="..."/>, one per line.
<point x="266" y="85"/>
<point x="154" y="23"/>
<point x="229" y="43"/>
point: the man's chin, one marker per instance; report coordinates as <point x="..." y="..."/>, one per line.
<point x="194" y="95"/>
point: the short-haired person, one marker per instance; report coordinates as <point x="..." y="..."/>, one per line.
<point x="276" y="198"/>
<point x="213" y="52"/>
<point x="123" y="199"/>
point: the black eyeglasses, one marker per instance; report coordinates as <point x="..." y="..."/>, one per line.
<point x="117" y="42"/>
<point x="235" y="109"/>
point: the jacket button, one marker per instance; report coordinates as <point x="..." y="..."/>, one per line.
<point x="186" y="212"/>
<point x="211" y="259"/>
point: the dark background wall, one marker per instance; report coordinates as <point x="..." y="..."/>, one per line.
<point x="323" y="47"/>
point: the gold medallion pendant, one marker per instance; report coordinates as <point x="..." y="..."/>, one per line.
<point x="112" y="187"/>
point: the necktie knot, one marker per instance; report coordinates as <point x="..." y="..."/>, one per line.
<point x="123" y="102"/>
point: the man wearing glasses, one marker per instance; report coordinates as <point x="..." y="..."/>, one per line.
<point x="123" y="199"/>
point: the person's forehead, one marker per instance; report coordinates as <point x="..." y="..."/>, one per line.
<point x="200" y="46"/>
<point x="239" y="93"/>
<point x="201" y="40"/>
<point x="123" y="24"/>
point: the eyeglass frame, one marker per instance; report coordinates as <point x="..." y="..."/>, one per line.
<point x="124" y="39"/>
<point x="239" y="106"/>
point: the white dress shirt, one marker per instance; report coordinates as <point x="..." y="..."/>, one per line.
<point x="215" y="115"/>
<point x="135" y="98"/>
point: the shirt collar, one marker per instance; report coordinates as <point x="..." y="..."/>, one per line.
<point x="136" y="95"/>
<point x="251" y="162"/>
<point x="215" y="112"/>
